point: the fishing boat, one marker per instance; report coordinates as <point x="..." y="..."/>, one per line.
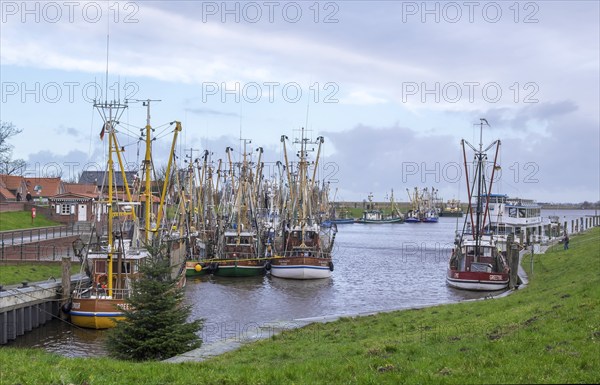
<point x="203" y="216"/>
<point x="413" y="215"/>
<point x="339" y="221"/>
<point x="476" y="263"/>
<point x="373" y="216"/>
<point x="430" y="216"/>
<point x="452" y="209"/>
<point x="303" y="250"/>
<point x="113" y="258"/>
<point x="429" y="211"/>
<point x="339" y="218"/>
<point x="239" y="250"/>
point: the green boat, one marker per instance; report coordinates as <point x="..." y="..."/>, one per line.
<point x="196" y="269"/>
<point x="240" y="257"/>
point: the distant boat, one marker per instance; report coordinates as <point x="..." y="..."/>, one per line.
<point x="452" y="209"/>
<point x="344" y="219"/>
<point x="423" y="206"/>
<point x="413" y="216"/>
<point x="429" y="211"/>
<point x="476" y="263"/>
<point x="373" y="216"/>
<point x="430" y="216"/>
<point x="340" y="221"/>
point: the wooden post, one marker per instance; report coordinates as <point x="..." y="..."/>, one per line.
<point x="514" y="266"/>
<point x="531" y="261"/>
<point x="66" y="284"/>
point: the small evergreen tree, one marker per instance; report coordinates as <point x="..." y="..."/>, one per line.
<point x="155" y="326"/>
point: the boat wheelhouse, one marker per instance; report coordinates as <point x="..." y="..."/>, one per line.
<point x="517" y="216"/>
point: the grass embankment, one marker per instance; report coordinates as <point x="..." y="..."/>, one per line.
<point x="30" y="272"/>
<point x="18" y="220"/>
<point x="546" y="333"/>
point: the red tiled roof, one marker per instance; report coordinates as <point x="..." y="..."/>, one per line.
<point x="44" y="187"/>
<point x="7" y="194"/>
<point x="11" y="182"/>
<point x="77" y="188"/>
<point x="73" y="196"/>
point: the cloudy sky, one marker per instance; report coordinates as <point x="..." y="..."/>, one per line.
<point x="392" y="86"/>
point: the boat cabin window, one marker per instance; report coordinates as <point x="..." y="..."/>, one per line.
<point x="100" y="267"/>
<point x="512" y="212"/>
<point x="125" y="267"/>
<point x="483" y="251"/>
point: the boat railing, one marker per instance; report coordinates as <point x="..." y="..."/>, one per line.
<point x="95" y="292"/>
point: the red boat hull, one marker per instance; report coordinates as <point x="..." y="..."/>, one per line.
<point x="480" y="281"/>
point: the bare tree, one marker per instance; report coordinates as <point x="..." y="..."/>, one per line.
<point x="8" y="165"/>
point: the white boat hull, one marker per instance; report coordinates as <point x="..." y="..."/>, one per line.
<point x="477" y="285"/>
<point x="300" y="272"/>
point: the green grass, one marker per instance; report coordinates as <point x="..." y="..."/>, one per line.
<point x="548" y="332"/>
<point x="22" y="220"/>
<point x="30" y="272"/>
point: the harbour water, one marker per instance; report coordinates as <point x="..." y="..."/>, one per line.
<point x="377" y="268"/>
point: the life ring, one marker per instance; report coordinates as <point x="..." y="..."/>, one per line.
<point x="331" y="266"/>
<point x="102" y="280"/>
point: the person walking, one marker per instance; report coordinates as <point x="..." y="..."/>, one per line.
<point x="566" y="241"/>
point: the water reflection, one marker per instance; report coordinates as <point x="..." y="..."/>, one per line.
<point x="58" y="336"/>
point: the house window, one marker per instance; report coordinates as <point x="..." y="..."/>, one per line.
<point x="65" y="209"/>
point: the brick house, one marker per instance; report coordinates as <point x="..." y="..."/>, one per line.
<point x="76" y="204"/>
<point x="12" y="188"/>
